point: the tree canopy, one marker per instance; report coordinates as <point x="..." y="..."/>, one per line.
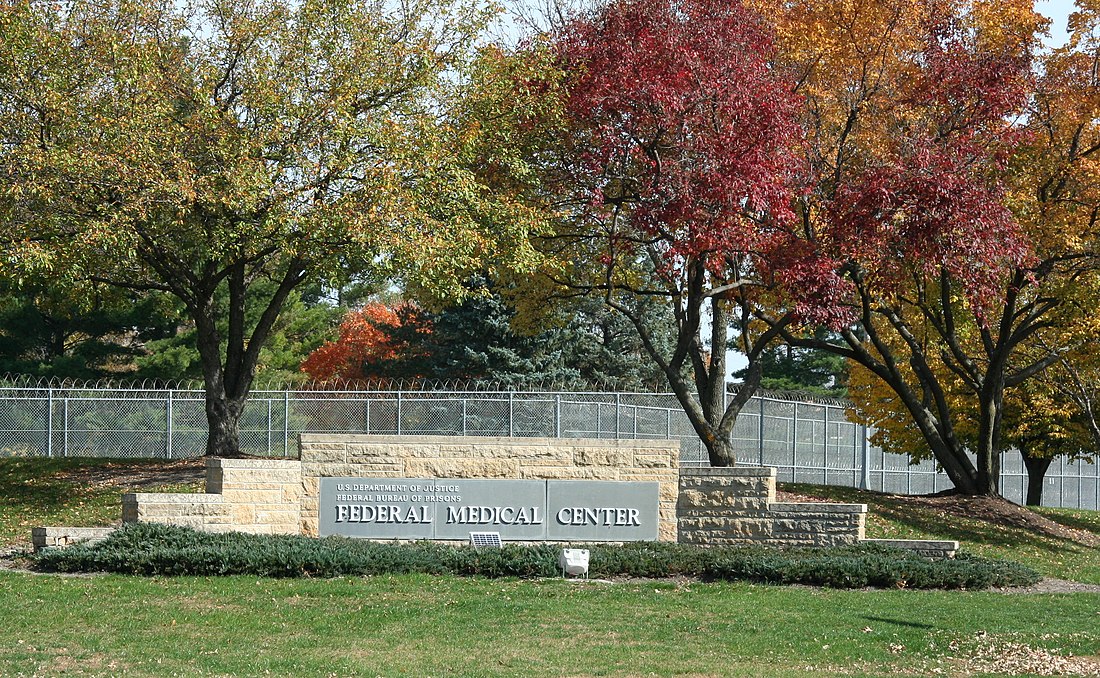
<point x="671" y="170"/>
<point x="477" y="343"/>
<point x="205" y="148"/>
<point x="913" y="111"/>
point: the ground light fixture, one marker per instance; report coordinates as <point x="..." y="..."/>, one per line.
<point x="574" y="562"/>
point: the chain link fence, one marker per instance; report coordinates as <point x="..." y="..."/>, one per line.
<point x="812" y="442"/>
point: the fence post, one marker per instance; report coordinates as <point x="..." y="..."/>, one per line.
<point x="618" y="410"/>
<point x="760" y="428"/>
<point x="865" y="475"/>
<point x="168" y="426"/>
<point x="286" y="423"/>
<point x="65" y="427"/>
<point x="49" y="422"/>
<point x="463" y="416"/>
<point x="668" y="424"/>
<point x="557" y="415"/>
<point x="511" y="413"/>
<point x="1001" y="478"/>
<point x="825" y="457"/>
<point x="794" y="443"/>
<point x="399" y="414"/>
<point x="269" y="426"/>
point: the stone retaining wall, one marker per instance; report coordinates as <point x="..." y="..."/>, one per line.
<point x="737" y="506"/>
<point x="261" y="496"/>
<point x="62" y="537"/>
<point x="491" y="458"/>
<point x="696" y="505"/>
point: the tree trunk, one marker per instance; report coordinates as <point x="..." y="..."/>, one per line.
<point x="223" y="405"/>
<point x="1036" y="475"/>
<point x="721" y="452"/>
<point x="719" y="447"/>
<point x="228" y="382"/>
<point x="223" y="420"/>
<point x="944" y="446"/>
<point x="990" y="412"/>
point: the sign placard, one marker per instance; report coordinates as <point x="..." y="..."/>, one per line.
<point x="520" y="510"/>
<point x="592" y="510"/>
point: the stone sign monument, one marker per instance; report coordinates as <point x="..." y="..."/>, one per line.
<point x="526" y="489"/>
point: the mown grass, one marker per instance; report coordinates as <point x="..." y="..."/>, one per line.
<point x="892" y="517"/>
<point x="418" y="625"/>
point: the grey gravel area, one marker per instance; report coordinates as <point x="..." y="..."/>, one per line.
<point x="1049" y="585"/>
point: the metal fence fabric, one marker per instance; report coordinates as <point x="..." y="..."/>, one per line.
<point x="812" y="442"/>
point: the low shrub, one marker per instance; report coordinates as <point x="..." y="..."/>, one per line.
<point x="150" y="549"/>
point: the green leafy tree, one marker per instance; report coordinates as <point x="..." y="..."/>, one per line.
<point x="302" y="327"/>
<point x="788" y="368"/>
<point x="239" y="149"/>
<point x="587" y="346"/>
<point x="81" y="332"/>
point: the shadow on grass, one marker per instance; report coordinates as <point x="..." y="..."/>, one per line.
<point x="32" y="482"/>
<point x="899" y="622"/>
<point x="42" y="491"/>
<point x="1074" y="519"/>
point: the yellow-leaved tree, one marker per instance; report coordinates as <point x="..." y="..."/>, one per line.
<point x="1011" y="369"/>
<point x="201" y="148"/>
<point x="928" y="197"/>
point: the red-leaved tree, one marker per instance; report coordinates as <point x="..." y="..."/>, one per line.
<point x="671" y="172"/>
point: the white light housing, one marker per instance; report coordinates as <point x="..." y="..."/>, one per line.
<point x="574" y="562"/>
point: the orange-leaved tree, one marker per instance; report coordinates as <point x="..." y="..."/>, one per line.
<point x="368" y="340"/>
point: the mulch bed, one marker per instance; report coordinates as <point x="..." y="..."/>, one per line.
<point x="138" y="475"/>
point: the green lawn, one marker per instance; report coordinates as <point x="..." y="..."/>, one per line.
<point x="446" y="626"/>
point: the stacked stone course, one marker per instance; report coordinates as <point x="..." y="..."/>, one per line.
<point x="260" y="496"/>
<point x="62" y="537"/>
<point x="737" y="506"/>
<point x="696" y="505"/>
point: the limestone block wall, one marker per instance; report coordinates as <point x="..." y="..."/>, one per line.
<point x="349" y="455"/>
<point x="261" y="496"/>
<point x="737" y="506"/>
<point x="61" y="537"/>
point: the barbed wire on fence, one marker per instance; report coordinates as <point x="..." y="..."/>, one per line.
<point x="26" y="381"/>
<point x="357" y="386"/>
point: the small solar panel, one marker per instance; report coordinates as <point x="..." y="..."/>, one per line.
<point x="486" y="539"/>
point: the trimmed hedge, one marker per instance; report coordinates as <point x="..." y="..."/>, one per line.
<point x="151" y="549"/>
